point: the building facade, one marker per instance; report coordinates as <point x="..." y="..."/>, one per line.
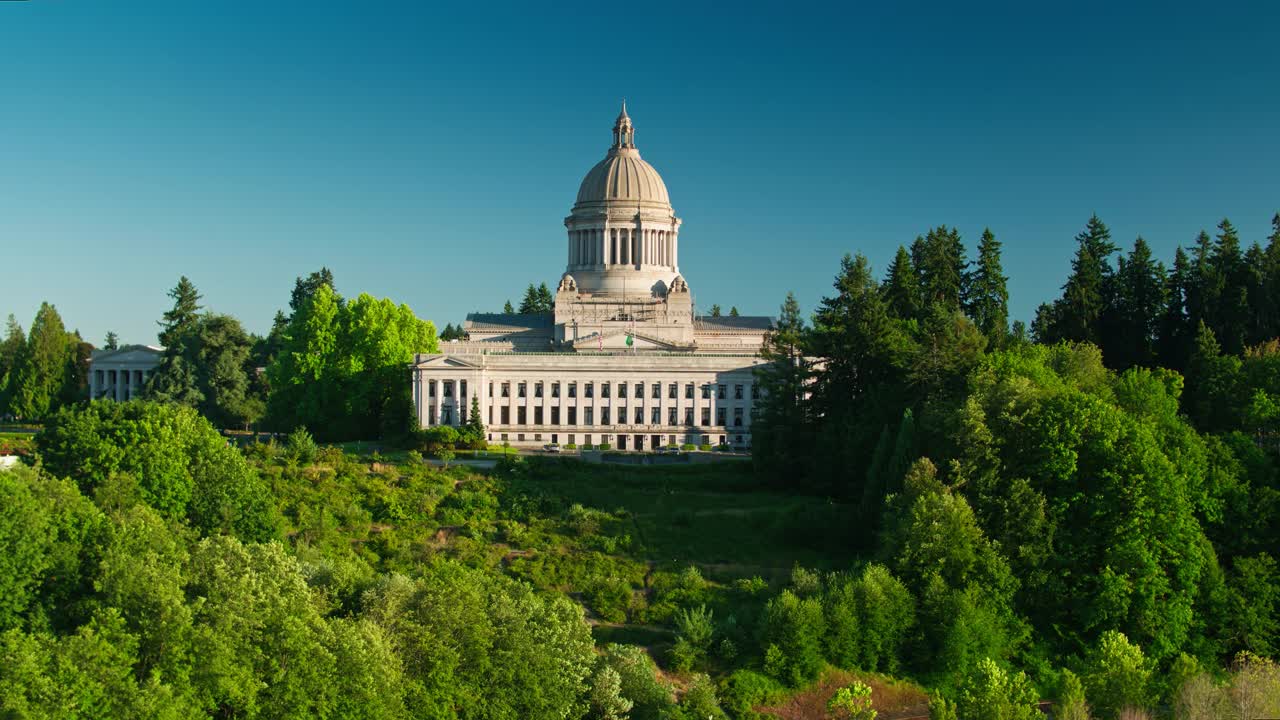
<point x="624" y="359"/>
<point x="122" y="374"/>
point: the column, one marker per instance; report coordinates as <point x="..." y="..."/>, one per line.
<point x="93" y="384"/>
<point x="119" y="389"/>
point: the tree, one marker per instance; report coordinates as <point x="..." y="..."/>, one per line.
<point x="780" y="428"/>
<point x="219" y="350"/>
<point x="942" y="268"/>
<point x="733" y="311"/>
<point x="473" y="429"/>
<point x="507" y="308"/>
<point x="1213" y="385"/>
<point x="1086" y="295"/>
<point x="1175" y="334"/>
<point x="792" y="636"/>
<point x="532" y="302"/>
<point x="305" y="288"/>
<point x="111" y="342"/>
<point x="715" y="311"/>
<point x="1229" y="290"/>
<point x="1071" y="704"/>
<point x="994" y="694"/>
<point x="901" y="287"/>
<point x="11" y="348"/>
<point x="546" y="301"/>
<point x="41" y="371"/>
<point x="1139" y="309"/>
<point x="606" y="699"/>
<point x="181" y="318"/>
<point x="175" y="378"/>
<point x="852" y="702"/>
<point x="988" y="296"/>
<point x="1117" y="676"/>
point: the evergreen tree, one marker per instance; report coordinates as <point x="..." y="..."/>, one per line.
<point x="1229" y="290"/>
<point x="305" y="288"/>
<point x="1085" y="296"/>
<point x="1258" y="318"/>
<point x="1175" y="333"/>
<point x="40" y="371"/>
<point x="111" y="342"/>
<point x="943" y="268"/>
<point x="175" y="377"/>
<point x="733" y="311"/>
<point x="11" y="349"/>
<point x="1139" y="309"/>
<point x="474" y="427"/>
<point x="901" y="288"/>
<point x="988" y="295"/>
<point x="780" y="429"/>
<point x="1201" y="300"/>
<point x="715" y="311"/>
<point x="546" y="301"/>
<point x="508" y="309"/>
<point x="75" y="383"/>
<point x="1271" y="281"/>
<point x="531" y="302"/>
<point x="1213" y="385"/>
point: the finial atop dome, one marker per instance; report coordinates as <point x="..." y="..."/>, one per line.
<point x="624" y="133"/>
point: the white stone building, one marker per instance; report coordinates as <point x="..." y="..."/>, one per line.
<point x="623" y="359"/>
<point x="121" y="374"/>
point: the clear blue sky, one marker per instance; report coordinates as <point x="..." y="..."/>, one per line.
<point x="430" y="153"/>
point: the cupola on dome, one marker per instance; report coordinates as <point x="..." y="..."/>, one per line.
<point x="623" y="178"/>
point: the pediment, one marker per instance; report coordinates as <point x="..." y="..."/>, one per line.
<point x="133" y="355"/>
<point x="445" y="362"/>
<point x="616" y="339"/>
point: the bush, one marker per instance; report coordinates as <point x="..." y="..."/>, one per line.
<point x="724" y="447"/>
<point x="745" y="690"/>
<point x="570" y="446"/>
<point x="688" y="447"/>
<point x="793" y="630"/>
<point x="705" y="448"/>
<point x="852" y="702"/>
<point x="604" y="447"/>
<point x="301" y="447"/>
<point x="994" y="693"/>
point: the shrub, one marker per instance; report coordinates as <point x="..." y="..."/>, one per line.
<point x="695" y="629"/>
<point x="724" y="447"/>
<point x="1117" y="675"/>
<point x="852" y="702"/>
<point x="570" y="446"/>
<point x="705" y="448"/>
<point x="301" y="447"/>
<point x="603" y="447"/>
<point x="745" y="690"/>
<point x="991" y="692"/>
<point x="688" y="447"/>
<point x="793" y="630"/>
<point x="609" y="598"/>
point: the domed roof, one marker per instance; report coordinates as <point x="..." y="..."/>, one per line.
<point x="623" y="177"/>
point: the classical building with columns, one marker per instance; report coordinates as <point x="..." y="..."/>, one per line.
<point x="122" y="373"/>
<point x="624" y="359"/>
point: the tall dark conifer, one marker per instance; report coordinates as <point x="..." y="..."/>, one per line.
<point x="1174" y="342"/>
<point x="943" y="269"/>
<point x="10" y="350"/>
<point x="175" y="378"/>
<point x="780" y="428"/>
<point x="40" y="371"/>
<point x="1229" y="313"/>
<point x="901" y="288"/>
<point x="988" y="295"/>
<point x="1085" y="296"/>
<point x="1139" y="308"/>
<point x="1271" y="280"/>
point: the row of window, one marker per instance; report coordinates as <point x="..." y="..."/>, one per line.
<point x="589" y="390"/>
<point x="638" y="441"/>
<point x="606" y="417"/>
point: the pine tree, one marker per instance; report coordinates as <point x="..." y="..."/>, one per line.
<point x="474" y="427"/>
<point x="1201" y="299"/>
<point x="546" y="301"/>
<point x="305" y="288"/>
<point x="175" y="377"/>
<point x="1085" y="296"/>
<point x="531" y="302"/>
<point x="715" y="311"/>
<point x="11" y="349"/>
<point x="1259" y="317"/>
<point x="111" y="342"/>
<point x="1271" y="280"/>
<point x="1139" y="309"/>
<point x="943" y="269"/>
<point x="40" y="370"/>
<point x="988" y="295"/>
<point x="901" y="287"/>
<point x="1174" y="342"/>
<point x="780" y="433"/>
<point x="733" y="312"/>
<point x="1229" y="283"/>
<point x="508" y="309"/>
<point x="1213" y="384"/>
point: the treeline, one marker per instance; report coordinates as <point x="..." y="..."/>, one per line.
<point x="1033" y="499"/>
<point x="335" y="366"/>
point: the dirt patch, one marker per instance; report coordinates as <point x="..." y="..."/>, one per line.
<point x="892" y="699"/>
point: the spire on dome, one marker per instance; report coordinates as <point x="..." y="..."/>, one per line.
<point x="624" y="133"/>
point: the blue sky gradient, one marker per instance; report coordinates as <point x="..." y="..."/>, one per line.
<point x="429" y="153"/>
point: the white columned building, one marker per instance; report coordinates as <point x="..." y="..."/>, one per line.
<point x="623" y="359"/>
<point x="121" y="374"/>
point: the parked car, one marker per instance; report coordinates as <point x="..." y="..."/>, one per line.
<point x="669" y="450"/>
<point x="551" y="447"/>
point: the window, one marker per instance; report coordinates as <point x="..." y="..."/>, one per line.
<point x="537" y="415"/>
<point x="588" y="416"/>
<point x="573" y="416"/>
<point x="490" y="389"/>
<point x="537" y="389"/>
<point x="721" y="393"/>
<point x="638" y="390"/>
<point x="555" y="415"/>
<point x="506" y="415"/>
<point x="571" y="442"/>
<point x="639" y="413"/>
<point x="463" y="385"/>
<point x="706" y="416"/>
<point x="573" y="389"/>
<point x="431" y="388"/>
<point x="446" y="415"/>
<point x="720" y="413"/>
<point x="555" y="389"/>
<point x="504" y="437"/>
<point x="448" y="388"/>
<point x="604" y="390"/>
<point x="671" y="416"/>
<point x="706" y="392"/>
<point x="520" y="437"/>
<point x="688" y="391"/>
<point x="490" y="414"/>
<point x="657" y="390"/>
<point x="655" y="416"/>
<point x="604" y="416"/>
<point x="737" y="392"/>
<point x="688" y="416"/>
<point x="671" y="391"/>
<point x="522" y="415"/>
<point x="737" y="417"/>
<point x="506" y="389"/>
<point x="589" y="390"/>
<point x="755" y="391"/>
<point x="522" y="390"/>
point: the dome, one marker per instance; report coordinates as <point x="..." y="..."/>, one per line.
<point x="623" y="177"/>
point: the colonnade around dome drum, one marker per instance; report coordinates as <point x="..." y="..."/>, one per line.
<point x="612" y="246"/>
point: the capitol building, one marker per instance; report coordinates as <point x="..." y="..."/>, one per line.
<point x="624" y="359"/>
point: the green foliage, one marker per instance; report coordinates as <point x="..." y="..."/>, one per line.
<point x="792" y="634"/>
<point x="992" y="693"/>
<point x="1117" y="676"/>
<point x="852" y="702"/>
<point x="869" y="620"/>
<point x="47" y="371"/>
